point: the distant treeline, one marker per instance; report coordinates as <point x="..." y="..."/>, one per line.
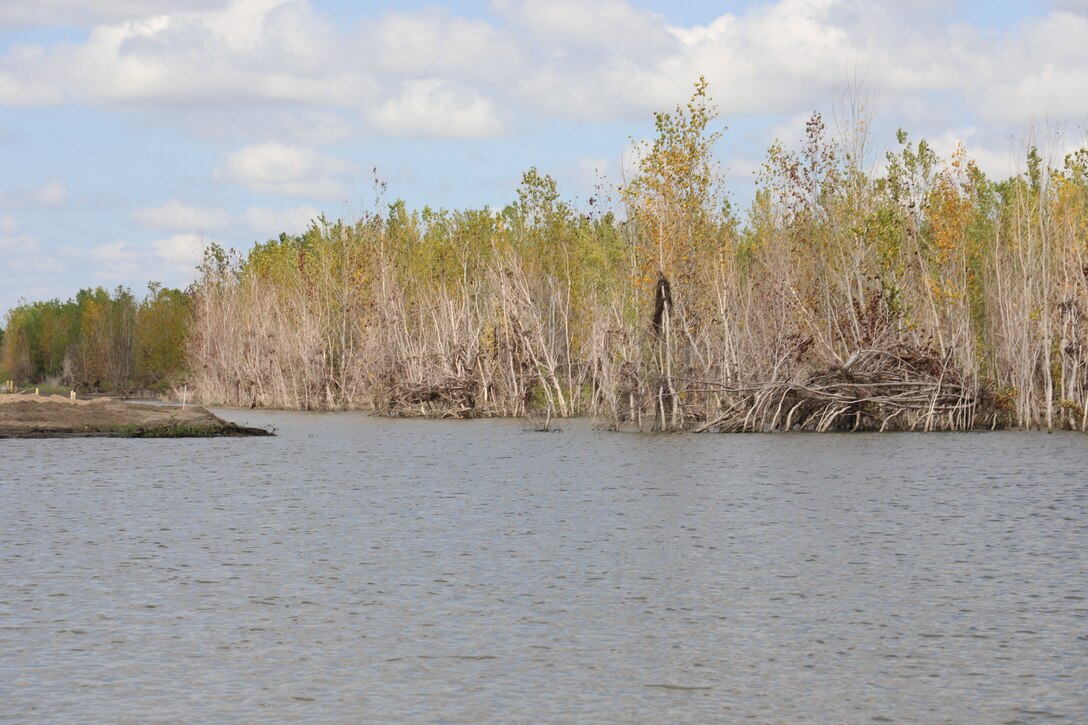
<point x="921" y="295"/>
<point x="99" y="341"/>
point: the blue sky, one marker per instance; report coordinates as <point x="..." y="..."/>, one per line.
<point x="134" y="131"/>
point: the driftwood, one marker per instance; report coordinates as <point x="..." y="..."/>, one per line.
<point x="874" y="390"/>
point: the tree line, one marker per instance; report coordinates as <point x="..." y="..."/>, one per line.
<point x="99" y="341"/>
<point x="912" y="294"/>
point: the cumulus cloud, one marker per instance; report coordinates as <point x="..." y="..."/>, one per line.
<point x="34" y="264"/>
<point x="32" y="89"/>
<point x="250" y="50"/>
<point x="16" y="242"/>
<point x="1072" y="6"/>
<point x="24" y="262"/>
<point x="434" y="42"/>
<point x="438" y="109"/>
<point x="286" y="170"/>
<point x="176" y="216"/>
<point x="53" y="193"/>
<point x="568" y="29"/>
<point x="117" y="261"/>
<point x="32" y="13"/>
<point x="170" y="260"/>
<point x="28" y="272"/>
<point x="437" y="74"/>
<point x="271" y="222"/>
<point x="1037" y="74"/>
<point x="295" y="125"/>
<point x="180" y="249"/>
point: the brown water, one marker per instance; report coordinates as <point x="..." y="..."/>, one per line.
<point x="356" y="569"/>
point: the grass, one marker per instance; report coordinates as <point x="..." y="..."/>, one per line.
<point x="184" y="430"/>
<point x="42" y="389"/>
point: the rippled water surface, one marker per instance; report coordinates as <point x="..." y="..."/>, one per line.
<point x="357" y="569"/>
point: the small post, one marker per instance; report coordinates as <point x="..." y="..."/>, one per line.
<point x="72" y="395"/>
<point x="36" y="391"/>
<point x="184" y="396"/>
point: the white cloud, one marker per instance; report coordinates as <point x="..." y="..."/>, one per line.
<point x="16" y="242"/>
<point x="180" y="249"/>
<point x="572" y="27"/>
<point x="437" y="109"/>
<point x="22" y="80"/>
<point x="8" y="224"/>
<point x="286" y="170"/>
<point x="1071" y="6"/>
<point x="30" y="13"/>
<point x="1000" y="157"/>
<point x="293" y="125"/>
<point x="250" y="50"/>
<point x="593" y="169"/>
<point x="1037" y="74"/>
<point x="433" y="42"/>
<point x="113" y="252"/>
<point x="41" y="264"/>
<point x="26" y="261"/>
<point x="52" y="193"/>
<point x="116" y="262"/>
<point x="271" y="222"/>
<point x="436" y="74"/>
<point x="177" y="216"/>
<point x="170" y="260"/>
<point x="284" y="71"/>
<point x="742" y="170"/>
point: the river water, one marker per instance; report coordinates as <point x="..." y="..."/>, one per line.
<point x="355" y="569"/>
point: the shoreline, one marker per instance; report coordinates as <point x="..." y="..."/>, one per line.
<point x="540" y="423"/>
<point x="54" y="416"/>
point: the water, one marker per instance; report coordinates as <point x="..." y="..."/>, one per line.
<point x="355" y="569"/>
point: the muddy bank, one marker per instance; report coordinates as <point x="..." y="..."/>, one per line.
<point x="30" y="416"/>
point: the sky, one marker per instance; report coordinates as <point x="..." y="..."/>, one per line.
<point x="133" y="132"/>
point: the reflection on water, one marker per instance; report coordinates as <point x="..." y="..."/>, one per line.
<point x="357" y="569"/>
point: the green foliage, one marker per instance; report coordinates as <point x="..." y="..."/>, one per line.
<point x="910" y="175"/>
<point x="99" y="340"/>
<point x="162" y="326"/>
<point x="177" y="429"/>
<point x="673" y="200"/>
<point x="38" y="338"/>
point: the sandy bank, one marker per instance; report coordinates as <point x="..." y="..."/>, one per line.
<point x="31" y="416"/>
